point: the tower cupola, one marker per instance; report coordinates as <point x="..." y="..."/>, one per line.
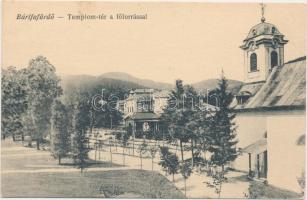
<point x="263" y="50"/>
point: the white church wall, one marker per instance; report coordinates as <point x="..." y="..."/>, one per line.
<point x="286" y="159"/>
<point x="251" y="127"/>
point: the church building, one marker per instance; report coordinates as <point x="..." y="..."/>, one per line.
<point x="270" y="109"/>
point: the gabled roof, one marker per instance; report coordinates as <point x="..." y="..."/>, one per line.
<point x="285" y="87"/>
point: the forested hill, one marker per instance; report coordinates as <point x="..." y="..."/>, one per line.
<point x="210" y="84"/>
<point x="96" y="84"/>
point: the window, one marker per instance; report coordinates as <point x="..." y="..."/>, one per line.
<point x="273" y="30"/>
<point x="253" y="62"/>
<point x="274" y="59"/>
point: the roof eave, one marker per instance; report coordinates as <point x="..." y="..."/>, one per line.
<point x="272" y="108"/>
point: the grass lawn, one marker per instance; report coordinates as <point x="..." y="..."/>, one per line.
<point x="49" y="182"/>
<point x="258" y="190"/>
<point x="127" y="183"/>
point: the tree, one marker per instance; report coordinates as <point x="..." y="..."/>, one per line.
<point x="142" y="149"/>
<point x="199" y="134"/>
<point x="218" y="179"/>
<point x="129" y="130"/>
<point x="185" y="170"/>
<point x="14" y="102"/>
<point x="179" y="116"/>
<point x="60" y="140"/>
<point x="222" y="134"/>
<point x="194" y="115"/>
<point x="104" y="112"/>
<point x="123" y="137"/>
<point x="174" y="118"/>
<point x="153" y="150"/>
<point x="28" y="127"/>
<point x="169" y="161"/>
<point x="43" y="88"/>
<point x="80" y="141"/>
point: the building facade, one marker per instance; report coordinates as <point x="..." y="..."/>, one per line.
<point x="270" y="110"/>
<point x="142" y="110"/>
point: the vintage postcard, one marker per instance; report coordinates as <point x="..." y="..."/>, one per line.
<point x="150" y="100"/>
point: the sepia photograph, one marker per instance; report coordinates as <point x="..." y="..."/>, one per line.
<point x="145" y="100"/>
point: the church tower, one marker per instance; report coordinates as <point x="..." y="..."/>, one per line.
<point x="263" y="50"/>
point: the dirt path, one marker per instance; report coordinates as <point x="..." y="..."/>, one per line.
<point x="196" y="188"/>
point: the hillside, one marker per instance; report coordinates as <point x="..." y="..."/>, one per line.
<point x="127" y="82"/>
<point x="210" y="84"/>
<point x="144" y="82"/>
<point x="88" y="82"/>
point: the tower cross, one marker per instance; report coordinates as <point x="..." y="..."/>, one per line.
<point x="262" y="12"/>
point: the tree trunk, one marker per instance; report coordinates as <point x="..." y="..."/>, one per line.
<point x="13" y="137"/>
<point x="123" y="156"/>
<point x="37" y="144"/>
<point x="185" y="187"/>
<point x="111" y="124"/>
<point x="222" y="177"/>
<point x="59" y="160"/>
<point x="115" y="144"/>
<point x="92" y="123"/>
<point x="22" y="137"/>
<point x="99" y="149"/>
<point x="152" y="163"/>
<point x="133" y="146"/>
<point x="30" y="142"/>
<point x="192" y="151"/>
<point x="141" y="160"/>
<point x="95" y="153"/>
<point x="3" y="136"/>
<point x="181" y="149"/>
<point x="173" y="177"/>
<point x="111" y="154"/>
<point x="220" y="190"/>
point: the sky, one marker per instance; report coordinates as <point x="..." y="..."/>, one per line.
<point x="189" y="41"/>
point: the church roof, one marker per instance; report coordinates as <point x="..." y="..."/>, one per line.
<point x="284" y="88"/>
<point x="262" y="29"/>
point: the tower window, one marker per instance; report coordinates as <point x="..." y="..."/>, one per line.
<point x="273" y="30"/>
<point x="253" y="62"/>
<point x="274" y="59"/>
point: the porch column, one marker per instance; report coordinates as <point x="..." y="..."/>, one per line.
<point x="258" y="165"/>
<point x="250" y="164"/>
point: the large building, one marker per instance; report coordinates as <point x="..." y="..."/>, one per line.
<point x="271" y="110"/>
<point x="142" y="109"/>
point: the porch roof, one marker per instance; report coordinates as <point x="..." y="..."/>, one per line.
<point x="256" y="147"/>
<point x="144" y="116"/>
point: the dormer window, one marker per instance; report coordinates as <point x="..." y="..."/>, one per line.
<point x="242" y="97"/>
<point x="273" y="30"/>
<point x="253" y="62"/>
